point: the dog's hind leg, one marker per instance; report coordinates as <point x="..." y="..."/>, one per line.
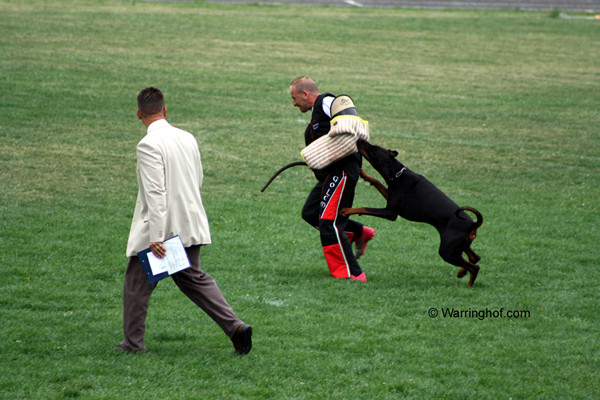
<point x="454" y="258"/>
<point x="473" y="257"/>
<point x="469" y="267"/>
<point x="472" y="269"/>
<point x="473" y="273"/>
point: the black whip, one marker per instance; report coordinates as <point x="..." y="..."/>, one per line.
<point x="280" y="171"/>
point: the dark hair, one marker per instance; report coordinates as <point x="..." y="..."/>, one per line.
<point x="150" y="101"/>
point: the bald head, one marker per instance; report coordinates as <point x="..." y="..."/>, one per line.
<point x="304" y="92"/>
<point x="304" y="83"/>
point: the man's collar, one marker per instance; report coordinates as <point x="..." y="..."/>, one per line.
<point x="161" y="123"/>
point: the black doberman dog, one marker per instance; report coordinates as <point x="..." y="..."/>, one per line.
<point x="415" y="198"/>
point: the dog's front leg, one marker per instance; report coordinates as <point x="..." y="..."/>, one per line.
<point x="374" y="182"/>
<point x="346" y="212"/>
<point x="375" y="212"/>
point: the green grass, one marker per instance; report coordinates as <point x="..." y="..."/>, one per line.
<point x="499" y="109"/>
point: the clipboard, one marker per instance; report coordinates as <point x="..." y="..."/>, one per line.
<point x="159" y="268"/>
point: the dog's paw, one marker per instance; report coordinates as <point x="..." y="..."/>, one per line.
<point x="461" y="273"/>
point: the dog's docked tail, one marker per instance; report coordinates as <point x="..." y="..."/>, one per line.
<point x="479" y="220"/>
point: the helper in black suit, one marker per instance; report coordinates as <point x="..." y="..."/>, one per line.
<point x="334" y="189"/>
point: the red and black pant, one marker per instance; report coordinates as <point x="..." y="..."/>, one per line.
<point x="321" y="210"/>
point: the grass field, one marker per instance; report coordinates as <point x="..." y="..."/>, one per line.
<point x="500" y="109"/>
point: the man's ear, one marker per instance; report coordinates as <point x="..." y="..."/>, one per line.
<point x="165" y="111"/>
<point x="393" y="153"/>
<point x="139" y="114"/>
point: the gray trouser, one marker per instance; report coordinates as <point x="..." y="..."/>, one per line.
<point x="200" y="287"/>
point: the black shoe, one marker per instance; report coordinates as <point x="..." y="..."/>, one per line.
<point x="242" y="339"/>
<point x="126" y="349"/>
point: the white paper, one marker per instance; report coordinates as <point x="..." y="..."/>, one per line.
<point x="175" y="260"/>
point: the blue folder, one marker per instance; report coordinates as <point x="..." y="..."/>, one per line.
<point x="143" y="256"/>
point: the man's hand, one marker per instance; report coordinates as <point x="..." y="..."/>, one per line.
<point x="158" y="249"/>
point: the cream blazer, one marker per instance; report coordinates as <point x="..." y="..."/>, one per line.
<point x="169" y="175"/>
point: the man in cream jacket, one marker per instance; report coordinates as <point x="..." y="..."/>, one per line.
<point x="169" y="203"/>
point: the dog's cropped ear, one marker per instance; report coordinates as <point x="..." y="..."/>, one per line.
<point x="393" y="153"/>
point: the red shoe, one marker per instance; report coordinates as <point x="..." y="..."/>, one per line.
<point x="362" y="277"/>
<point x="361" y="243"/>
